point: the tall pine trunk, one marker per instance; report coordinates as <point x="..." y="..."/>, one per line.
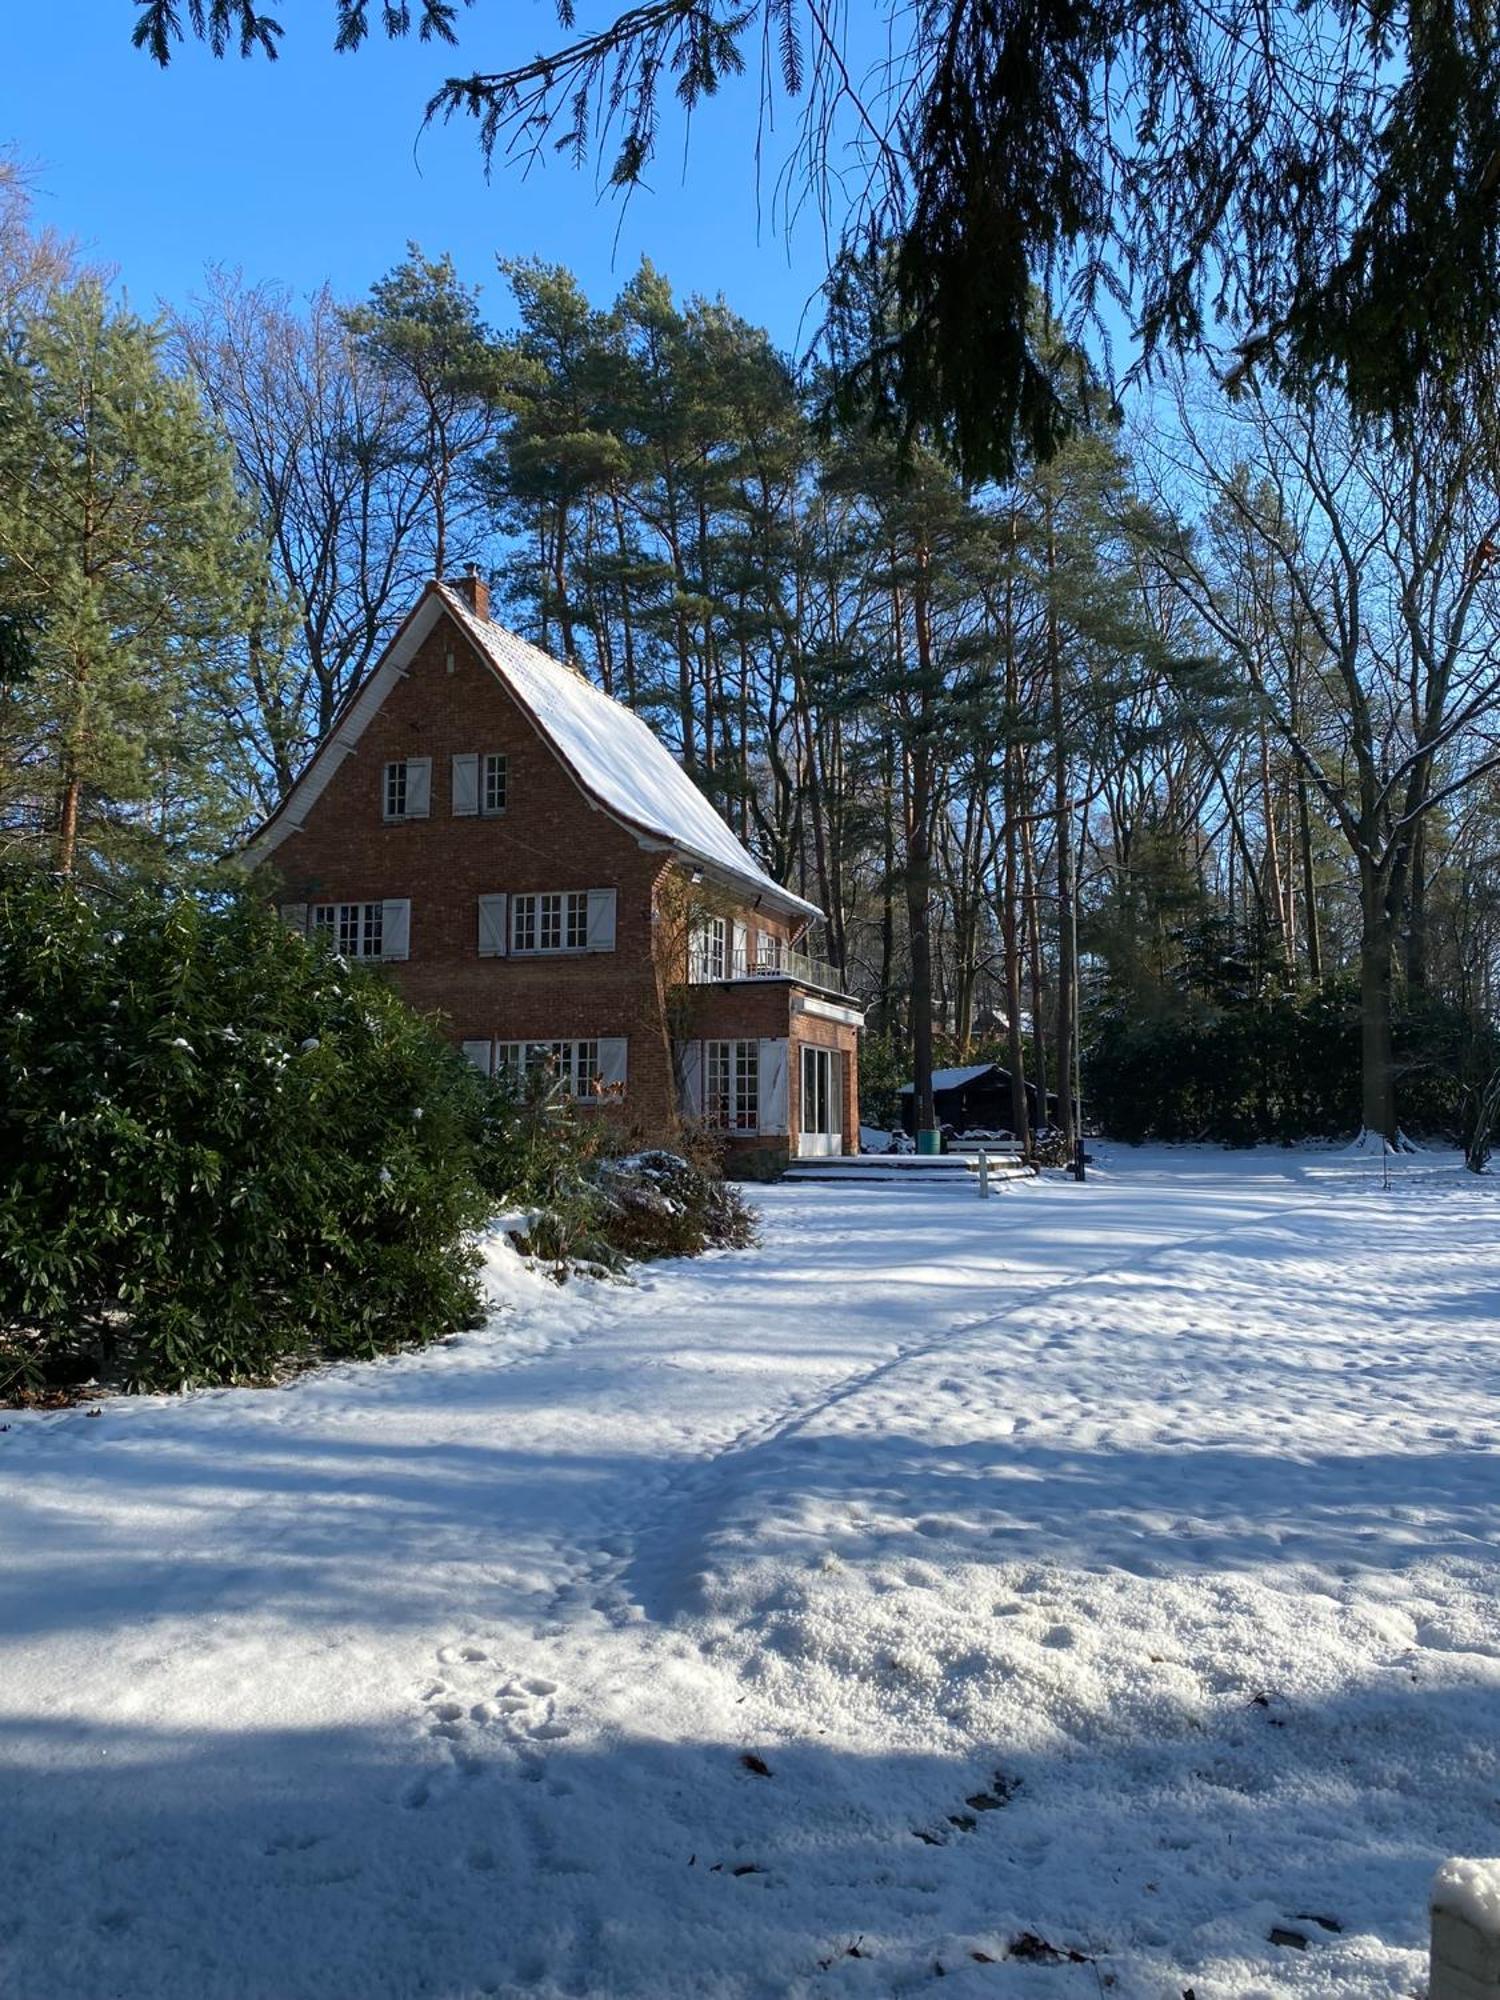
<point x="919" y="856"/>
<point x="1067" y="967"/>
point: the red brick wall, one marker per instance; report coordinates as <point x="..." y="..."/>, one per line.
<point x="807" y="1028"/>
<point x="549" y="837"/>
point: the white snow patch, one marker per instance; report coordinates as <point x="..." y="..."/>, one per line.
<point x="1367" y="1142"/>
<point x="1114" y="1567"/>
<point x="1471" y="1890"/>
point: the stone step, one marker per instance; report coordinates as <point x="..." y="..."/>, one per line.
<point x="903" y="1170"/>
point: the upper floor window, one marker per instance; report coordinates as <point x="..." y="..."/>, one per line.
<point x="554" y="921"/>
<point x="407" y="792"/>
<point x="710" y="949"/>
<point x="480" y="783"/>
<point x="551" y="920"/>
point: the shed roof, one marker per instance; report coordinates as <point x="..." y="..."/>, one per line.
<point x="955" y="1079"/>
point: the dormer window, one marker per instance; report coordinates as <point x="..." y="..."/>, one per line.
<point x="408" y="789"/>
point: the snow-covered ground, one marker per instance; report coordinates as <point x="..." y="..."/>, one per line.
<point x="1108" y="1568"/>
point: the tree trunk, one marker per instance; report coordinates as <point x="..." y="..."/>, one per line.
<point x="919" y="861"/>
<point x="67" y="823"/>
<point x="1377" y="1058"/>
<point x="1067" y="968"/>
<point x="918" y="913"/>
<point x="1416" y="912"/>
<point x="1015" y="1047"/>
<point x="887" y="1011"/>
<point x="72" y="779"/>
<point x="1032" y="897"/>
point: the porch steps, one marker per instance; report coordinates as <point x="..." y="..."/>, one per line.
<point x="957" y="1171"/>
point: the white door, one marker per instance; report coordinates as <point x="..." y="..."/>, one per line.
<point x="819" y="1118"/>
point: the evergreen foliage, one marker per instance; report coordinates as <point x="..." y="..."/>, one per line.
<point x="230" y="1152"/>
<point x="1274" y="1066"/>
<point x="127" y="556"/>
<point x="227" y="1150"/>
<point x="1316" y="184"/>
<point x="1199" y="1031"/>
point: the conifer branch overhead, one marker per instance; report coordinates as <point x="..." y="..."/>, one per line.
<point x="1309" y="192"/>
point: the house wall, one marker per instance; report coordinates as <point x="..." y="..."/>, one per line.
<point x="844" y="1040"/>
<point x="550" y="837"/>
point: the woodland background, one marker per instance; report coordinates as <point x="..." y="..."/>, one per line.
<point x="1182" y="743"/>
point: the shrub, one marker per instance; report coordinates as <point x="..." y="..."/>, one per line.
<point x="658" y="1204"/>
<point x="225" y="1149"/>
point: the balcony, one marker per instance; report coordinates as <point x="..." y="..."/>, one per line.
<point x="708" y="965"/>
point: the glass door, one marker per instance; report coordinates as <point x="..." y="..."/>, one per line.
<point x="819" y="1120"/>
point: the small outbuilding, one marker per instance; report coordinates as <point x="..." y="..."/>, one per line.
<point x="975" y="1098"/>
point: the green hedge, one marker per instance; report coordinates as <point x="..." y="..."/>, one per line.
<point x="221" y="1148"/>
<point x="1279" y="1066"/>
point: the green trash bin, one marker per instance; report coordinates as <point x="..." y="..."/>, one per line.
<point x="930" y="1142"/>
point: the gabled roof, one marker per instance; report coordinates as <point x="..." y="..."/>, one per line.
<point x="614" y="757"/>
<point x="953" y="1079"/>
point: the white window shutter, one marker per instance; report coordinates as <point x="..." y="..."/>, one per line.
<point x="418" y="787"/>
<point x="480" y="1054"/>
<point x="466" y="784"/>
<point x="690" y="1065"/>
<point x="294" y="916"/>
<point x="395" y="930"/>
<point x="612" y="1064"/>
<point x="492" y="926"/>
<point x="773" y="1086"/>
<point x="740" y="949"/>
<point x="601" y="931"/>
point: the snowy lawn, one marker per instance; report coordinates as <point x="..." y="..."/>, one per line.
<point x="1108" y="1568"/>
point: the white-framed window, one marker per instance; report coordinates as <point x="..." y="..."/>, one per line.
<point x="587" y="1070"/>
<point x="479" y="783"/>
<point x="731" y="1086"/>
<point x="554" y="920"/>
<point x="710" y="949"/>
<point x="406" y="790"/>
<point x="364" y="930"/>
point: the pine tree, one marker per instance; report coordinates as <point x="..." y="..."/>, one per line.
<point x="126" y="546"/>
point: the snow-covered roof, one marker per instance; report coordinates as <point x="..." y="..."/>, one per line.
<point x="952" y="1079"/>
<point x="614" y="756"/>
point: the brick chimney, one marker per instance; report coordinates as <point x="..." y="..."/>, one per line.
<point x="473" y="589"/>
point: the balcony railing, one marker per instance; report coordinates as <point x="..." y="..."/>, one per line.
<point x="762" y="961"/>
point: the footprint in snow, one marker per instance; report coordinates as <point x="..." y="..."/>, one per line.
<point x="475" y="1720"/>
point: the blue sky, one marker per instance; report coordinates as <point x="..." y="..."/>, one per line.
<point x="312" y="168"/>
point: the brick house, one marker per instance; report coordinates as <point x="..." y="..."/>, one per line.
<point x="538" y="872"/>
